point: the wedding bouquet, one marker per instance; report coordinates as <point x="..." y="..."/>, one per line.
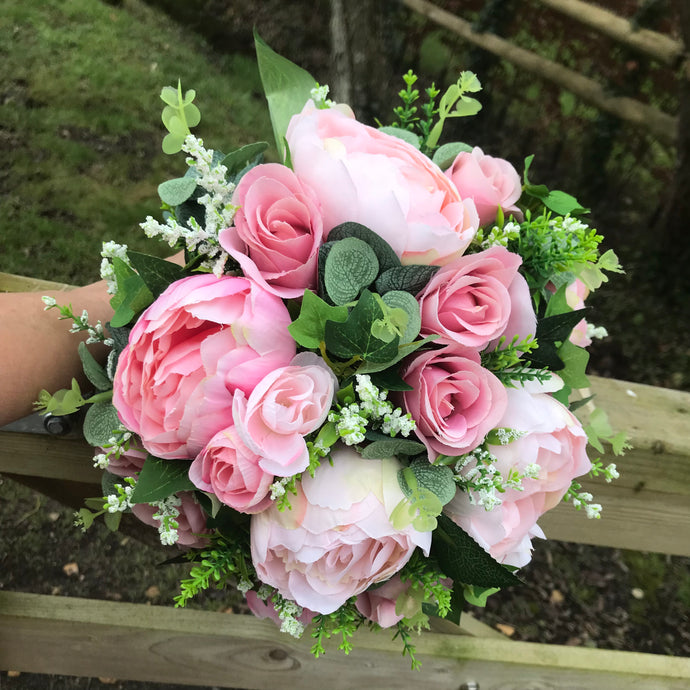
<point x="352" y="402"/>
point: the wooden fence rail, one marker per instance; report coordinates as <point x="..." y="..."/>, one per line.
<point x="661" y="125"/>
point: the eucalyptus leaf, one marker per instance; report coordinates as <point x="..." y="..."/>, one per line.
<point x="404" y="134"/>
<point x="445" y="155"/>
<point x="435" y="478"/>
<point x="100" y="423"/>
<point x="351" y="266"/>
<point x="160" y="478"/>
<point x="177" y="191"/>
<point x="397" y="299"/>
<point x="390" y="447"/>
<point x="387" y="258"/>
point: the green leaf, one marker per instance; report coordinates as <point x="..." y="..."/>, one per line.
<point x="463" y="560"/>
<point x="412" y="278"/>
<point x="559" y="326"/>
<point x="387" y="258"/>
<point x="172" y="143"/>
<point x="466" y="107"/>
<point x="100" y="423"/>
<point x="112" y="520"/>
<point x="435" y="478"/>
<point x="371" y="367"/>
<point x="93" y="370"/>
<point x="156" y="273"/>
<point x="353" y="337"/>
<point x="404" y="134"/>
<point x="389" y="379"/>
<point x="237" y="160"/>
<point x="136" y="297"/>
<point x="575" y="360"/>
<point x="477" y="596"/>
<point x="397" y="299"/>
<point x="122" y="271"/>
<point x="87" y="517"/>
<point x="177" y="191"/>
<point x="309" y="328"/>
<point x="469" y="82"/>
<point x="392" y="446"/>
<point x="351" y="265"/>
<point x="287" y="88"/>
<point x="192" y="114"/>
<point x="558" y="304"/>
<point x="160" y="478"/>
<point x="169" y="95"/>
<point x="445" y="155"/>
<point x="563" y="204"/>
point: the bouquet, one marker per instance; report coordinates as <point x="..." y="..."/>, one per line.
<point x="353" y="400"/>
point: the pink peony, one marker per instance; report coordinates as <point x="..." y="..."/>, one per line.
<point x="455" y="401"/>
<point x="361" y="174"/>
<point x="228" y="469"/>
<point x="476" y="299"/>
<point x="492" y="183"/>
<point x="283" y="408"/>
<point x="199" y="342"/>
<point x="277" y="231"/>
<point x="191" y="520"/>
<point x="337" y="539"/>
<point x="554" y="440"/>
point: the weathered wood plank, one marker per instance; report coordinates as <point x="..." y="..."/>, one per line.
<point x="13" y="283"/>
<point x="129" y="641"/>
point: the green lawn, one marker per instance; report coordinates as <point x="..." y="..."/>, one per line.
<point x="80" y="127"/>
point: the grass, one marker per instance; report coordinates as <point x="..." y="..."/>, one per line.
<point x="81" y="131"/>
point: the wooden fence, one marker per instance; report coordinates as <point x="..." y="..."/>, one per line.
<point x="648" y="509"/>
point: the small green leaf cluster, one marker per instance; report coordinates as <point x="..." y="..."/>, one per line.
<point x="345" y="622"/>
<point x="178" y="116"/>
<point x="222" y="563"/>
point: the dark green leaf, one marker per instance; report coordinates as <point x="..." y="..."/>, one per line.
<point x="558" y="327"/>
<point x="156" y="273"/>
<point x="136" y="297"/>
<point x="371" y="367"/>
<point x="464" y="561"/>
<point x="100" y="423"/>
<point x="387" y="258"/>
<point x="93" y="370"/>
<point x="410" y="279"/>
<point x="324" y="251"/>
<point x="353" y="337"/>
<point x="160" y="478"/>
<point x="287" y="88"/>
<point x="390" y="380"/>
<point x="237" y="160"/>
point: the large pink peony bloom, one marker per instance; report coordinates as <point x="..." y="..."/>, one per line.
<point x="361" y="174"/>
<point x="492" y="183"/>
<point x="554" y="440"/>
<point x="338" y="539"/>
<point x="476" y="299"/>
<point x="199" y="342"/>
<point x="455" y="401"/>
<point x="228" y="469"/>
<point x="277" y="231"/>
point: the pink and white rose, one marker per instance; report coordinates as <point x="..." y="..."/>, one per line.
<point x="191" y="520"/>
<point x="334" y="544"/>
<point x="203" y="339"/>
<point x="478" y="298"/>
<point x="492" y="183"/>
<point x="380" y="604"/>
<point x="277" y="231"/>
<point x="361" y="174"/>
<point x="455" y="401"/>
<point x="555" y="441"/>
<point x="228" y="469"/>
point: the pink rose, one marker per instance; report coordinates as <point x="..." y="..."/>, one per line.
<point x="476" y="299"/>
<point x="379" y="604"/>
<point x="283" y="408"/>
<point x="337" y="539"/>
<point x="277" y="231"/>
<point x="575" y="295"/>
<point x="492" y="183"/>
<point x="455" y="401"/>
<point x="228" y="469"/>
<point x="555" y="441"/>
<point x="266" y="609"/>
<point x="361" y="174"/>
<point x="191" y="520"/>
<point x="199" y="342"/>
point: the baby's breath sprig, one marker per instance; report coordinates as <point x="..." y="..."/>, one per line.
<point x="582" y="499"/>
<point x="80" y="322"/>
